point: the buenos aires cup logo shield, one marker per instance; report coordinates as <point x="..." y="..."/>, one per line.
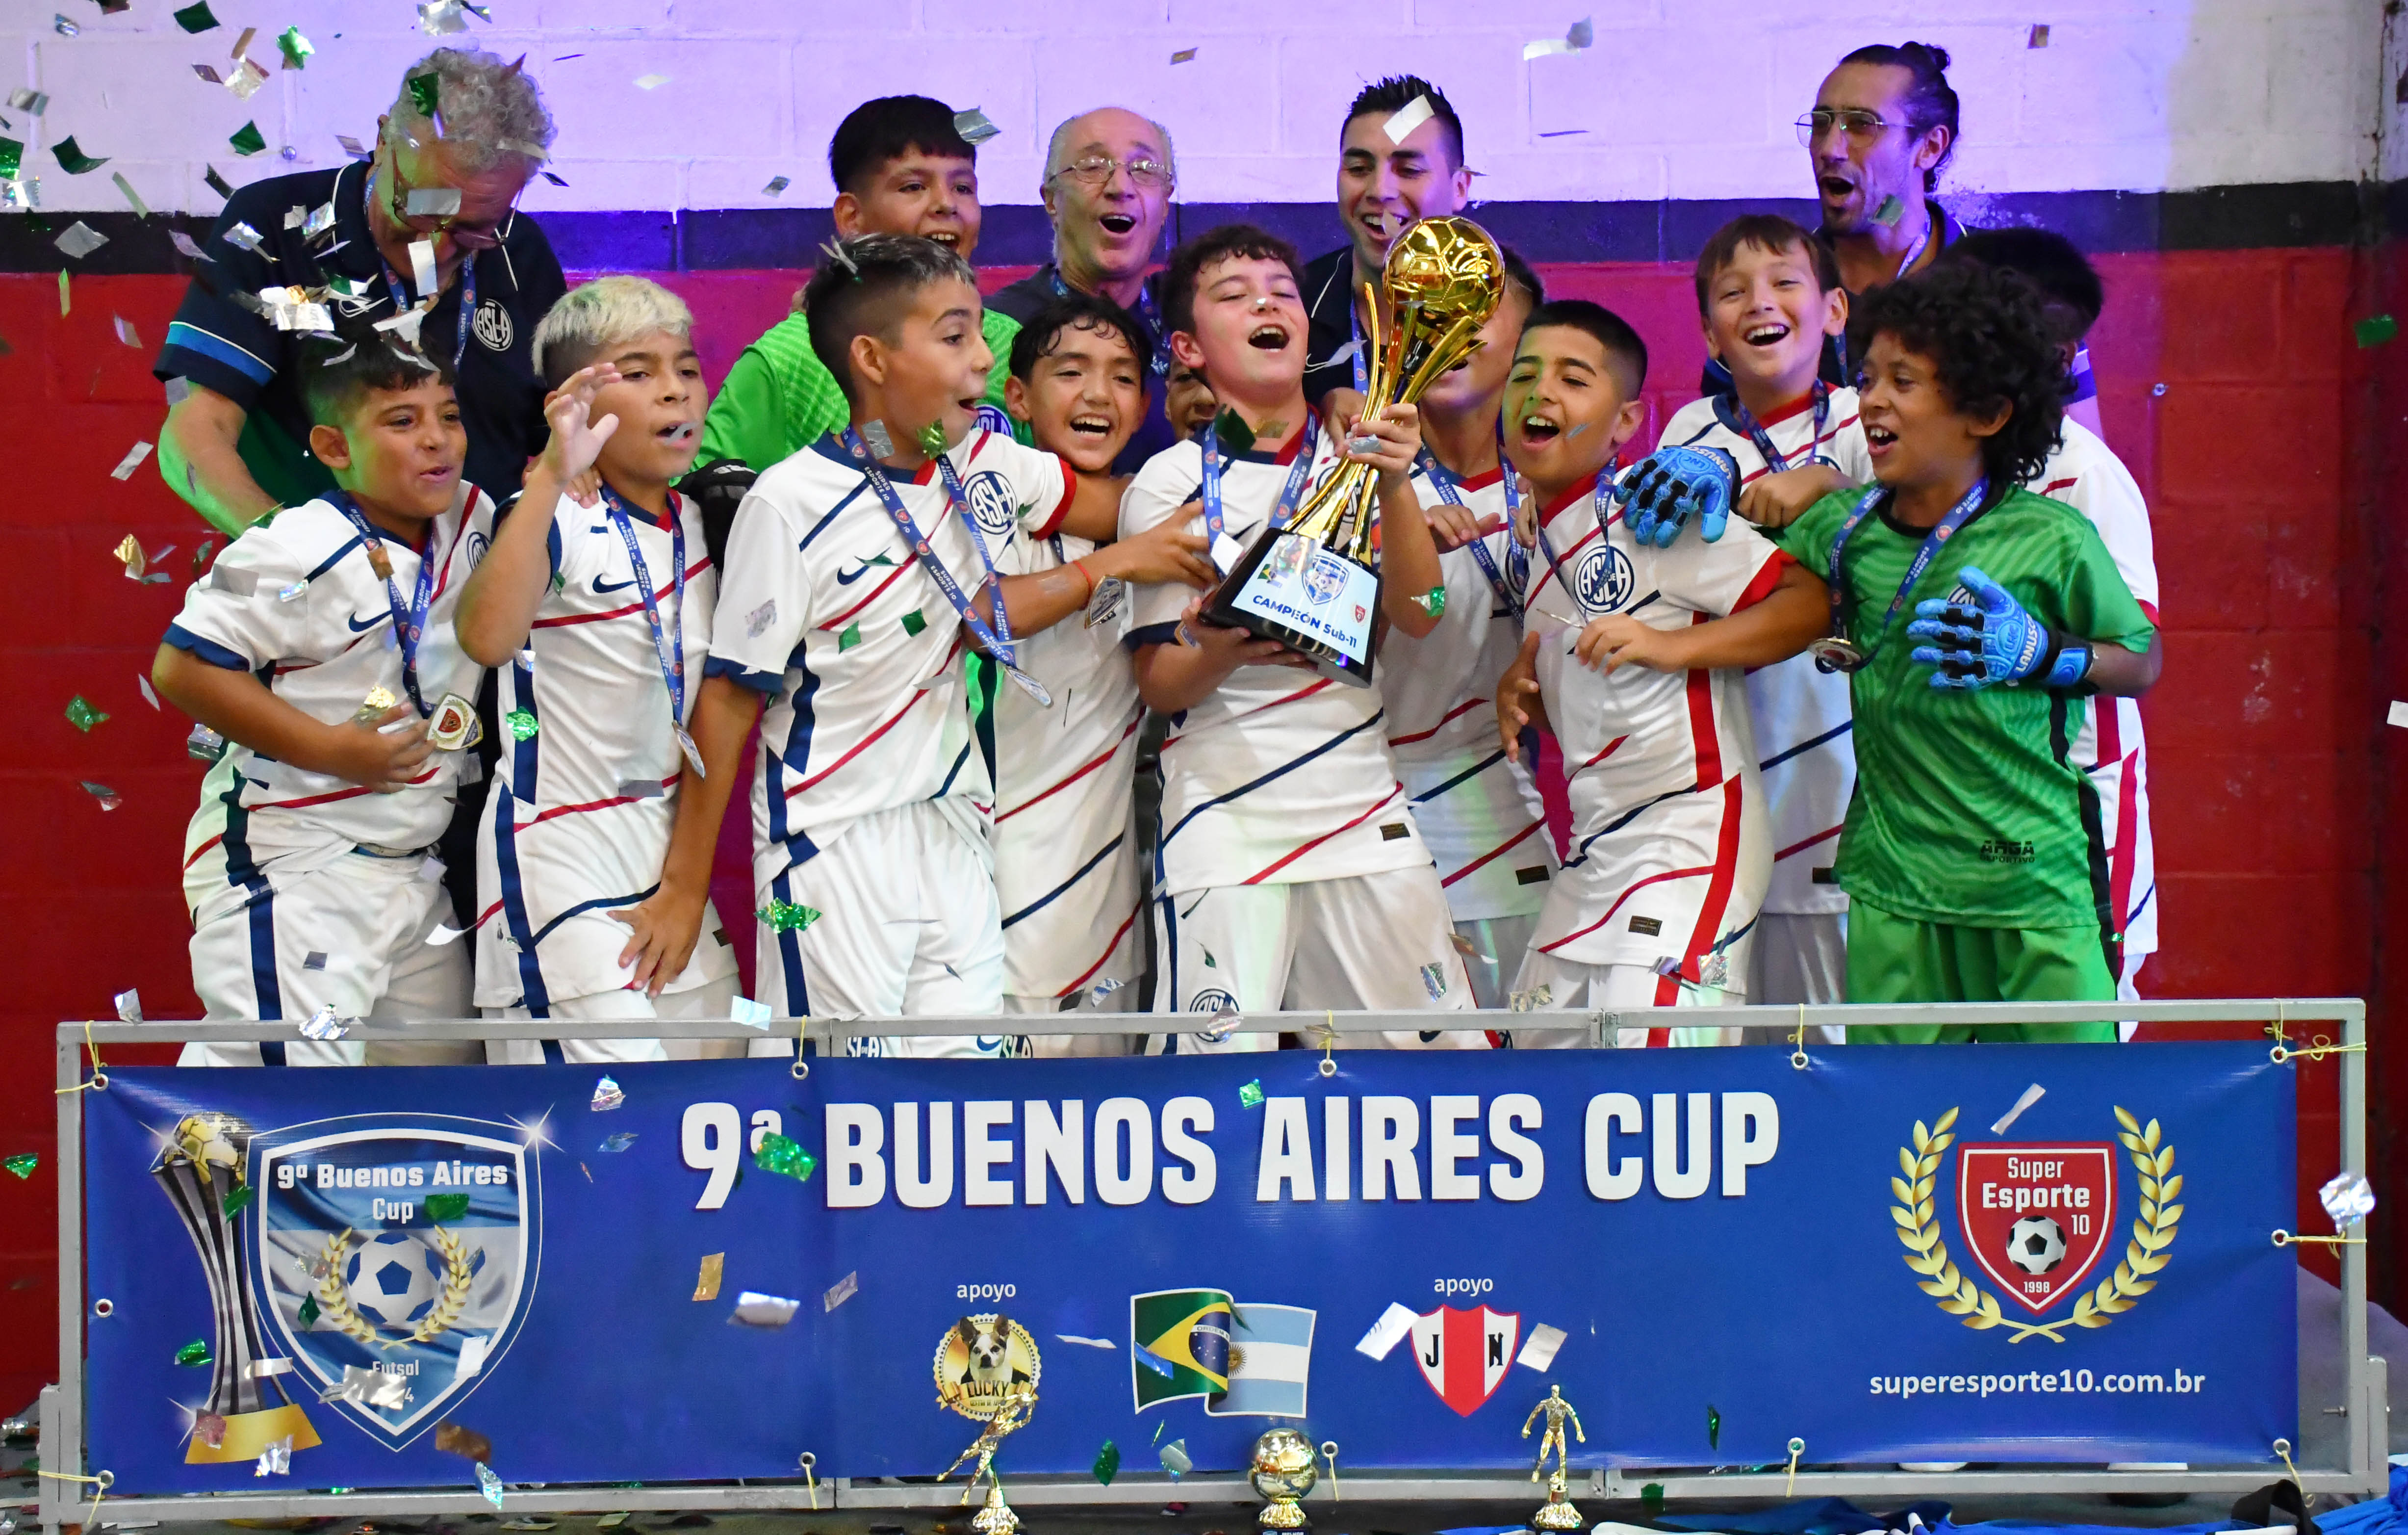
<point x="394" y="1258"/>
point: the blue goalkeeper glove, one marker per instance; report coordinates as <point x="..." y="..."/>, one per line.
<point x="1673" y="484"/>
<point x="1994" y="640"/>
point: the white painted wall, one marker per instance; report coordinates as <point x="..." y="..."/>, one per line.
<point x="1678" y="98"/>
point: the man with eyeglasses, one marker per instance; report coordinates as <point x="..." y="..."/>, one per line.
<point x="1109" y="176"/>
<point x="431" y="212"/>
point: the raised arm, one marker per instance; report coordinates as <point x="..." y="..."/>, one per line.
<point x="502" y="598"/>
<point x="201" y="462"/>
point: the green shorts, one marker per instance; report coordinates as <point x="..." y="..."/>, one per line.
<point x="1896" y="959"/>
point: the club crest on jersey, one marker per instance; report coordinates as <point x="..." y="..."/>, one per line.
<point x="494" y="328"/>
<point x="991" y="506"/>
<point x="1211" y="999"/>
<point x="394" y="1256"/>
<point x="1464" y="1355"/>
<point x="1604" y="581"/>
<point x="1323" y="578"/>
<point x="2037" y="1219"/>
<point x="478" y="545"/>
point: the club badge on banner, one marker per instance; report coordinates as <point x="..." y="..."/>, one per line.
<point x="357" y="1278"/>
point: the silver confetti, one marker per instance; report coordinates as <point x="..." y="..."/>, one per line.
<point x="641" y="788"/>
<point x="842" y="1291"/>
<point x="186" y="246"/>
<point x="1531" y="1000"/>
<point x="277" y="1459"/>
<point x="777" y="184"/>
<point x="608" y="1096"/>
<point x="755" y="1309"/>
<point x="205" y="744"/>
<point x="26" y="99"/>
<point x="1434" y="979"/>
<point x="79" y="240"/>
<point x="64" y="27"/>
<point x="437" y="16"/>
<point x="1175" y="1460"/>
<point x="433" y="202"/>
<point x="129" y="1006"/>
<point x="651" y="82"/>
<point x="2347" y="1198"/>
<point x="2030" y="1096"/>
<point x="975" y="127"/>
<point x="149" y="694"/>
<point x="875" y="434"/>
<point x="323" y="1025"/>
<point x="752" y="1014"/>
<point x="132" y="461"/>
<point x="176" y="391"/>
<point x="245" y="236"/>
<point x="352" y="147"/>
<point x="1225" y="1023"/>
<point x="246" y="79"/>
<point x="291" y="589"/>
<point x="760" y="618"/>
<point x="125" y="331"/>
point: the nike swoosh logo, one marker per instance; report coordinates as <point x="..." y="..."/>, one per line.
<point x="358" y="627"/>
<point x="848" y="577"/>
<point x="602" y="588"/>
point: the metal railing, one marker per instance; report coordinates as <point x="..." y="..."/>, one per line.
<point x="2340" y="1448"/>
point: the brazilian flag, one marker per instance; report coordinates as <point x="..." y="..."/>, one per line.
<point x="1180" y="1343"/>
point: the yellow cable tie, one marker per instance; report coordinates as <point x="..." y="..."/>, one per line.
<point x="102" y="1482"/>
<point x="810" y="1481"/>
<point x="99" y="1077"/>
<point x="1797" y="1448"/>
<point x="2283" y="1448"/>
<point x="1330" y="1453"/>
<point x="2286" y="1238"/>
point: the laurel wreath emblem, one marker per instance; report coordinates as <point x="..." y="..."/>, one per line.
<point x="335" y="1301"/>
<point x="2153" y="1233"/>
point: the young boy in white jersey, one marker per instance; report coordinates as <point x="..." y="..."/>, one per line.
<point x="856" y="579"/>
<point x="1632" y="652"/>
<point x="1768" y="297"/>
<point x="598" y="619"/>
<point x="1066" y="864"/>
<point x="2084" y="474"/>
<point x="1476" y="805"/>
<point x="322" y="647"/>
<point x="1288" y="873"/>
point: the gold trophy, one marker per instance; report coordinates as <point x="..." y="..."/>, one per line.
<point x="995" y="1517"/>
<point x="1283" y="1471"/>
<point x="1557" y="1513"/>
<point x="1312" y="585"/>
<point x="987" y="1370"/>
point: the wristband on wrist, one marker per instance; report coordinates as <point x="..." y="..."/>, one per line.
<point x="2067" y="665"/>
<point x="1080" y="565"/>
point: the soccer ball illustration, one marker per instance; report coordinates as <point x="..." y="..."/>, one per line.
<point x="2036" y="1245"/>
<point x="393" y="1279"/>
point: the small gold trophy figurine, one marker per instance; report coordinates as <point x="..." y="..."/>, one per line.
<point x="996" y="1518"/>
<point x="1283" y="1471"/>
<point x="1557" y="1513"/>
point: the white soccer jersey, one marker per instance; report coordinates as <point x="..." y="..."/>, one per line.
<point x="295" y="602"/>
<point x="2086" y="473"/>
<point x="1799" y="714"/>
<point x="579" y="822"/>
<point x="1065" y="867"/>
<point x="823" y="603"/>
<point x="1671" y="847"/>
<point x="1477" y="808"/>
<point x="1281" y="776"/>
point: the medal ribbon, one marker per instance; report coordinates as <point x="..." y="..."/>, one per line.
<point x="1297" y="475"/>
<point x="1597" y="505"/>
<point x="1958" y="515"/>
<point x="670" y="652"/>
<point x="1146" y="313"/>
<point x="1773" y="460"/>
<point x="997" y="640"/>
<point x="393" y="285"/>
<point x="407" y="624"/>
<point x="1449" y="493"/>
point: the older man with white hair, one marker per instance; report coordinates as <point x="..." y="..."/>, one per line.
<point x="1109" y="176"/>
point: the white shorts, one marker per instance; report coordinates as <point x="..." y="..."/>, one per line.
<point x="1563" y="985"/>
<point x="1065" y="1046"/>
<point x="908" y="924"/>
<point x="1494" y="953"/>
<point x="712" y="1000"/>
<point x="2127" y="989"/>
<point x="1374" y="941"/>
<point x="352" y="933"/>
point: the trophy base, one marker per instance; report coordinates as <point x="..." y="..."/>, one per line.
<point x="1314" y="600"/>
<point x="1554" y="1515"/>
<point x="996" y="1518"/>
<point x="247" y="1435"/>
<point x="1284" y="1515"/>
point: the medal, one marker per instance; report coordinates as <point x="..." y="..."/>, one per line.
<point x="454" y="727"/>
<point x="372" y="707"/>
<point x="1833" y="654"/>
<point x="380" y="561"/>
<point x="668" y="648"/>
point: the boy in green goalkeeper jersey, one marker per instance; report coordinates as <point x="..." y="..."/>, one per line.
<point x="1979" y="619"/>
<point x="901" y="167"/>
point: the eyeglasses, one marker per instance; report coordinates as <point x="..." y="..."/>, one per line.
<point x="1096" y="169"/>
<point x="1861" y="126"/>
<point x="470" y="236"/>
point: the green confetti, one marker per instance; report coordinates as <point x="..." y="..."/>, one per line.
<point x="787" y="917"/>
<point x="1433" y="601"/>
<point x="780" y="1154"/>
<point x="63" y="291"/>
<point x="1890" y="211"/>
<point x="1251" y="1095"/>
<point x="523" y="724"/>
<point x="82" y="715"/>
<point x="195" y="1353"/>
<point x="308" y="1312"/>
<point x="73" y="160"/>
<point x="23" y="1164"/>
<point x="239" y="1199"/>
<point x="932" y="440"/>
<point x="1108" y="1463"/>
<point x="248" y="139"/>
<point x="1651" y="1499"/>
<point x="848" y="638"/>
<point x="12" y="154"/>
<point x="1713" y="1427"/>
<point x="2375" y="329"/>
<point x="295" y="46"/>
<point x="422" y="93"/>
<point x="1231" y="428"/>
<point x="196" y="17"/>
<point x="219" y="184"/>
<point x="913" y="623"/>
<point x="446" y="1207"/>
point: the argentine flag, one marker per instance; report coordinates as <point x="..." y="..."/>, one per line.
<point x="1270" y="1362"/>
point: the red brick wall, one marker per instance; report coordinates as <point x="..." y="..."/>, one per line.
<point x="2252" y="458"/>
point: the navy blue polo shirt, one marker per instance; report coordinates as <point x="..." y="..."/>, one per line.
<point x="218" y="344"/>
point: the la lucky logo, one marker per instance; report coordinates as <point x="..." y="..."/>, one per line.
<point x="2037" y="1219"/>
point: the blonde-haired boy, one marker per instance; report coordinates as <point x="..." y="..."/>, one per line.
<point x="598" y="619"/>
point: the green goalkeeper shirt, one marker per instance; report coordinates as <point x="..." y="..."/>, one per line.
<point x="1968" y="807"/>
<point x="778" y="398"/>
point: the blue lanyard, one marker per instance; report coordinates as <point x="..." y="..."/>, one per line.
<point x="1447" y="491"/>
<point x="1773" y="460"/>
<point x="1146" y="313"/>
<point x="1596" y="505"/>
<point x="1958" y="515"/>
<point x="1362" y="369"/>
<point x="408" y="624"/>
<point x="467" y="288"/>
<point x="995" y="641"/>
<point x="1298" y="473"/>
<point x="669" y="650"/>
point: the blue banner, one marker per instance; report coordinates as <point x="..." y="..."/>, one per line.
<point x="1986" y="1253"/>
